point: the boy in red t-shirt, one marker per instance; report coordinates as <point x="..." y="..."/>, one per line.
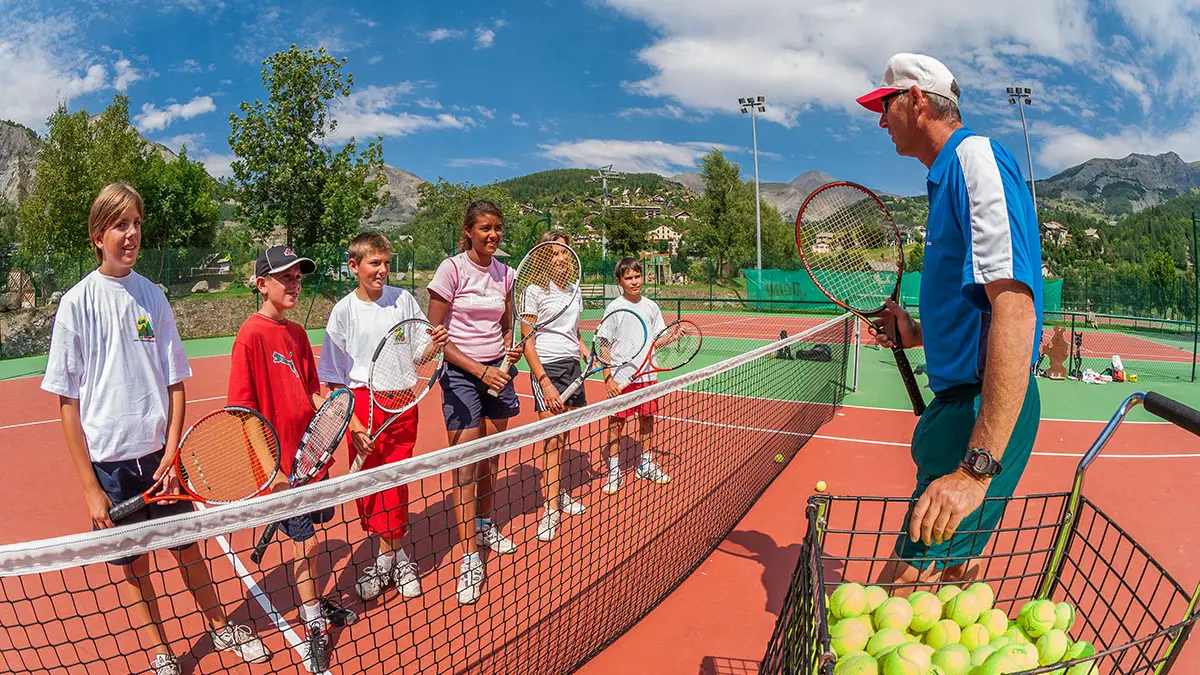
<point x="273" y="371"/>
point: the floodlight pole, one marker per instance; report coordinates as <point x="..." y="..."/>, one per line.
<point x="754" y="105"/>
<point x="1020" y="97"/>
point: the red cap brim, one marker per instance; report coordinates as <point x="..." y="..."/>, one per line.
<point x="874" y="100"/>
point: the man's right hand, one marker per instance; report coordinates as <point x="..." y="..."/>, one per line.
<point x="896" y="317"/>
<point x="98" y="505"/>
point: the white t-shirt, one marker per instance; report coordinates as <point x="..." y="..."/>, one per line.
<point x="559" y="339"/>
<point x="354" y="330"/>
<point x="651" y="315"/>
<point x="115" y="347"/>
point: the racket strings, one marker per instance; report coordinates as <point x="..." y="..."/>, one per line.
<point x="324" y="433"/>
<point x="678" y="344"/>
<point x="546" y="284"/>
<point x="229" y="456"/>
<point x="405" y="365"/>
<point x="618" y="339"/>
<point x="850" y="246"/>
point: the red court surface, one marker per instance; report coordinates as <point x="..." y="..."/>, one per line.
<point x="719" y="619"/>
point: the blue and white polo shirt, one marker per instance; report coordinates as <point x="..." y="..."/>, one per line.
<point x="982" y="227"/>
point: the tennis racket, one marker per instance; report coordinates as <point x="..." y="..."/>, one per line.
<point x="672" y="348"/>
<point x="618" y="339"/>
<point x="406" y="365"/>
<point x="852" y="249"/>
<point x="227" y="456"/>
<point x="315" y="454"/>
<point x="547" y="284"/>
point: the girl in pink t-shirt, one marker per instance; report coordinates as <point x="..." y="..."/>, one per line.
<point x="471" y="295"/>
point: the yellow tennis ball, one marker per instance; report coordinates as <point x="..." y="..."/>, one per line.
<point x="856" y="663"/>
<point x="1064" y="616"/>
<point x="984" y="594"/>
<point x="1039" y="619"/>
<point x="848" y="601"/>
<point x="821" y="486"/>
<point x="1016" y="634"/>
<point x="893" y="613"/>
<point x="876" y="596"/>
<point x="963" y="609"/>
<point x="1026" y="655"/>
<point x="927" y="609"/>
<point x="1079" y="650"/>
<point x="884" y="641"/>
<point x="907" y="659"/>
<point x="999" y="642"/>
<point x="946" y="592"/>
<point x="980" y="654"/>
<point x="975" y="636"/>
<point x="1051" y="647"/>
<point x="944" y="632"/>
<point x="995" y="621"/>
<point x="999" y="664"/>
<point x="848" y="635"/>
<point x="953" y="659"/>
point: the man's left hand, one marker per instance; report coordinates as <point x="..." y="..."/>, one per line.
<point x="943" y="506"/>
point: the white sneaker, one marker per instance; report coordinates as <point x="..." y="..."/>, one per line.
<point x="489" y="536"/>
<point x="470" y="578"/>
<point x="548" y="524"/>
<point x="241" y="641"/>
<point x="569" y="506"/>
<point x="165" y="664"/>
<point x="373" y="582"/>
<point x="650" y="471"/>
<point x="404" y="576"/>
<point x="613" y="482"/>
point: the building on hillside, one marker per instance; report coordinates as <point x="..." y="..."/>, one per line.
<point x="569" y="202"/>
<point x="527" y="209"/>
<point x="644" y="211"/>
<point x="1091" y="233"/>
<point x="1056" y="232"/>
<point x="668" y="234"/>
<point x="658" y="199"/>
<point x="823" y="242"/>
<point x="591" y="201"/>
<point x="682" y="215"/>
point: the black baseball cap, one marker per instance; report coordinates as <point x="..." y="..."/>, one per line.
<point x="279" y="258"/>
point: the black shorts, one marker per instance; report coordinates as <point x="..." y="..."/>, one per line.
<point x="466" y="401"/>
<point x="561" y="374"/>
<point x="127" y="478"/>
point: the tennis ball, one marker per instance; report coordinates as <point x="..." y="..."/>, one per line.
<point x="927" y="609"/>
<point x="876" y="596"/>
<point x="943" y="633"/>
<point x="984" y="594"/>
<point x="963" y="609"/>
<point x="779" y="459"/>
<point x="980" y="654"/>
<point x="935" y="670"/>
<point x="1026" y="655"/>
<point x="893" y="613"/>
<point x="884" y="641"/>
<point x="856" y="663"/>
<point x="820" y="485"/>
<point x="952" y="659"/>
<point x="999" y="664"/>
<point x="946" y="592"/>
<point x="848" y="635"/>
<point x="848" y="601"/>
<point x="995" y="621"/>
<point x="907" y="659"/>
<point x="1079" y="650"/>
<point x="1086" y="668"/>
<point x="975" y="636"/>
<point x="1039" y="619"/>
<point x="1016" y="634"/>
<point x="1064" y="615"/>
<point x="1051" y="647"/>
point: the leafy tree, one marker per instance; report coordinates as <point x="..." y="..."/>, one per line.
<point x="180" y="206"/>
<point x="8" y="236"/>
<point x="439" y="219"/>
<point x="724" y="216"/>
<point x="625" y="231"/>
<point x="286" y="177"/>
<point x="914" y="261"/>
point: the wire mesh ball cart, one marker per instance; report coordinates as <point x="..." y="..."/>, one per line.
<point x="1060" y="547"/>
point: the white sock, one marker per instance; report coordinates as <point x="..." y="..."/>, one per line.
<point x="614" y="464"/>
<point x="312" y="614"/>
<point x="471" y="559"/>
<point x="400" y="557"/>
<point x="384" y="561"/>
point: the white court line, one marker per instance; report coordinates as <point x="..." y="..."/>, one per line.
<point x="56" y="420"/>
<point x="1044" y="419"/>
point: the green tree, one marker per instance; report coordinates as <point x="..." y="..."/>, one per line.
<point x="915" y="260"/>
<point x="181" y="209"/>
<point x="439" y="220"/>
<point x="625" y="231"/>
<point x="286" y="177"/>
<point x="724" y="223"/>
<point x="8" y="236"/>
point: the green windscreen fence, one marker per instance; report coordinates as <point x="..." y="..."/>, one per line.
<point x="794" y="288"/>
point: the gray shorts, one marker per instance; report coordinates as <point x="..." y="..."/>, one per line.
<point x="562" y="374"/>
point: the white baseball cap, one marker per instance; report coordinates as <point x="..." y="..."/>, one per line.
<point x="904" y="71"/>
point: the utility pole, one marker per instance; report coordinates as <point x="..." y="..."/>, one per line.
<point x="754" y="105"/>
<point x="1019" y="96"/>
<point x="603" y="175"/>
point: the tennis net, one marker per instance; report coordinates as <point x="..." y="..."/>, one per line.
<point x="547" y="607"/>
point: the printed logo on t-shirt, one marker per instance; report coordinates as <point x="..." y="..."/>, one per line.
<point x="145" y="332"/>
<point x="276" y="357"/>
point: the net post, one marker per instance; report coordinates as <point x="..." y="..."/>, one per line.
<point x="1195" y="294"/>
<point x="857" y="353"/>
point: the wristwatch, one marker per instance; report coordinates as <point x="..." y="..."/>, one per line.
<point x="980" y="463"/>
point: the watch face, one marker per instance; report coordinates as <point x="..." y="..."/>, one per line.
<point x="980" y="463"/>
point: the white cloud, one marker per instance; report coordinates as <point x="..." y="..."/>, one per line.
<point x="188" y="66"/>
<point x="217" y="165"/>
<point x="428" y="104"/>
<point x="634" y="156"/>
<point x="669" y="111"/>
<point x="488" y="113"/>
<point x="1062" y="147"/>
<point x="371" y="112"/>
<point x="439" y="34"/>
<point x="39" y="68"/>
<point x="484" y="37"/>
<point x="476" y="161"/>
<point x="151" y="118"/>
<point x="126" y="75"/>
<point x="517" y="121"/>
<point x="192" y="141"/>
<point x="374" y="59"/>
<point x="366" y="22"/>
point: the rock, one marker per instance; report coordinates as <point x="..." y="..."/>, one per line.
<point x="11" y="301"/>
<point x="55" y="297"/>
<point x="200" y="287"/>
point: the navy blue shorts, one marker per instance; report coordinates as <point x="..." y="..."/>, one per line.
<point x="128" y="478"/>
<point x="466" y="401"/>
<point x="301" y="527"/>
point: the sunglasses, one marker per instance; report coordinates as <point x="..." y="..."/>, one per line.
<point x="886" y="101"/>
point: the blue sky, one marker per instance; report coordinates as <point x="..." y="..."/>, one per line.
<point x="477" y="91"/>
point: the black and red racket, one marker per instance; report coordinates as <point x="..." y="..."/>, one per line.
<point x="227" y="456"/>
<point x="852" y="249"/>
<point x="671" y="349"/>
<point x="315" y="454"/>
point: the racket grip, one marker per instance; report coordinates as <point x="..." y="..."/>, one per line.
<point x="910" y="380"/>
<point x="127" y="508"/>
<point x="566" y="395"/>
<point x="358" y="462"/>
<point x="1180" y="415"/>
<point x="504" y="369"/>
<point x="261" y="547"/>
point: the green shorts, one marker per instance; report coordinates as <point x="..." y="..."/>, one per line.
<point x="939" y="444"/>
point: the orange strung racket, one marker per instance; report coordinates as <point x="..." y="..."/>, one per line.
<point x="227" y="456"/>
<point x="672" y="348"/>
<point x="852" y="249"/>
